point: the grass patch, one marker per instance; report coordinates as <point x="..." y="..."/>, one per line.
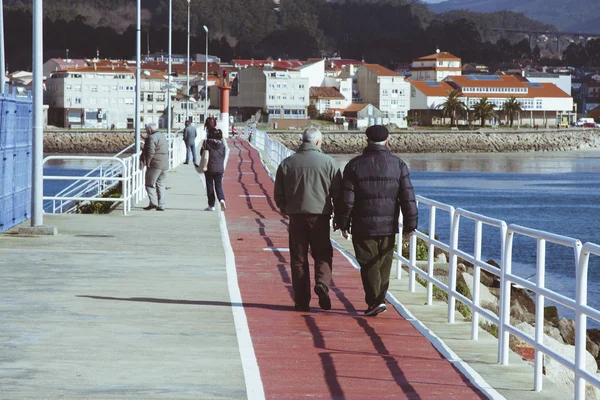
<point x="101" y="207"/>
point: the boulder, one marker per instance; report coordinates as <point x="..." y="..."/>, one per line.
<point x="551" y="315"/>
<point x="567" y="330"/>
<point x="522" y="306"/>
<point x="555" y="371"/>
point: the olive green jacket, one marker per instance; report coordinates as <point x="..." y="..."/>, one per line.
<point x="308" y="182"/>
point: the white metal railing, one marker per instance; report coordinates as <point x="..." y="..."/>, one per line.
<point x="276" y="152"/>
<point x="506" y="235"/>
<point x="112" y="171"/>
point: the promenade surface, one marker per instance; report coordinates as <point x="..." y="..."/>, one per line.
<point x="147" y="306"/>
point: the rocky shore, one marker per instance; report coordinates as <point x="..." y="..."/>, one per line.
<point x="456" y="142"/>
<point x="82" y="142"/>
<point x="487" y="141"/>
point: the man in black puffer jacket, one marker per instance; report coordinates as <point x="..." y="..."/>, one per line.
<point x="376" y="187"/>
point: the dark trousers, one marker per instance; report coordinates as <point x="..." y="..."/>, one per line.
<point x="309" y="230"/>
<point x="375" y="256"/>
<point x="214" y="182"/>
<point x="190" y="148"/>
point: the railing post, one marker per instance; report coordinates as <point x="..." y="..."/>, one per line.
<point x="581" y="278"/>
<point x="505" y="287"/>
<point x="454" y="224"/>
<point x="399" y="244"/>
<point x="476" y="280"/>
<point x="431" y="254"/>
<point x="412" y="261"/>
<point x="538" y="363"/>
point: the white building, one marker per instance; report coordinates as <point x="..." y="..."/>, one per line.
<point x="435" y="67"/>
<point x="543" y="103"/>
<point x="385" y="89"/>
<point x="323" y="98"/>
<point x="280" y="95"/>
<point x="104" y="97"/>
<point x="563" y="81"/>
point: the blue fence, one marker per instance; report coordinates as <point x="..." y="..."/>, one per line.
<point x="15" y="160"/>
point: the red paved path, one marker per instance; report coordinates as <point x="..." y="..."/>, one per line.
<point x="337" y="354"/>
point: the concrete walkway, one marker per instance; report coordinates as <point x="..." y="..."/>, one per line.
<point x="148" y="306"/>
<point x="121" y="307"/>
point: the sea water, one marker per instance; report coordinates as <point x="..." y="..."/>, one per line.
<point x="553" y="192"/>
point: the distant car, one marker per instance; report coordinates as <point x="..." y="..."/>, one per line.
<point x="590" y="125"/>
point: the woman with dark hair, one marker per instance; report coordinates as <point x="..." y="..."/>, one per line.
<point x="216" y="168"/>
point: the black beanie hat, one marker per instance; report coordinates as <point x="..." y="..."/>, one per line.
<point x="377" y="133"/>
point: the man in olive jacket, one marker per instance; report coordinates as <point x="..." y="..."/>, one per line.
<point x="306" y="186"/>
<point x="376" y="187"/>
<point x="155" y="156"/>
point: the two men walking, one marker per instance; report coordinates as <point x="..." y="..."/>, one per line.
<point x="367" y="202"/>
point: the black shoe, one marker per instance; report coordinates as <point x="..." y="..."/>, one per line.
<point x="160" y="209"/>
<point x="301" y="308"/>
<point x="150" y="207"/>
<point x="322" y="291"/>
<point x="376" y="309"/>
<point x="186" y="162"/>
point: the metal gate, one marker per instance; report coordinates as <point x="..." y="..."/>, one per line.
<point x="15" y="160"/>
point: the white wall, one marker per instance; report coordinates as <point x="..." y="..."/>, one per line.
<point x="315" y="73"/>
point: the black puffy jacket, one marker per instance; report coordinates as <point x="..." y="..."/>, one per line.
<point x="376" y="187"/>
<point x="216" y="160"/>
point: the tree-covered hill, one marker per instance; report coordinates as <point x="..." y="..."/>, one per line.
<point x="382" y="31"/>
<point x="569" y="15"/>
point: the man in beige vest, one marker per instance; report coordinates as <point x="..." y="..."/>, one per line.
<point x="155" y="156"/>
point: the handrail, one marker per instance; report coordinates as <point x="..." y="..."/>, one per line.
<point x="581" y="254"/>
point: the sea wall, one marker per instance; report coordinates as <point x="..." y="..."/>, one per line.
<point x="456" y="142"/>
<point x="110" y="142"/>
<point x="94" y="142"/>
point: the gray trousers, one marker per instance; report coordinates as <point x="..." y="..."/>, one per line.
<point x="155" y="186"/>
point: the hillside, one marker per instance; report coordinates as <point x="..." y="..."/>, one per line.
<point x="569" y="15"/>
<point x="380" y="31"/>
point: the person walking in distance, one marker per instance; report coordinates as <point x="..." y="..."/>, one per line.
<point x="155" y="157"/>
<point x="189" y="137"/>
<point x="307" y="185"/>
<point x="213" y="175"/>
<point x="376" y="186"/>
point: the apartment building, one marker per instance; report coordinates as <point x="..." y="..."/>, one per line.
<point x="104" y="97"/>
<point x="436" y="67"/>
<point x="543" y="103"/>
<point x="280" y="96"/>
<point x="324" y="98"/>
<point x="385" y="89"/>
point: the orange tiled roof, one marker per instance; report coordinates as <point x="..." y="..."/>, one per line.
<point x="535" y="90"/>
<point x="380" y="70"/>
<point x="428" y="88"/>
<point x="355" y="107"/>
<point x="444" y="55"/>
<point x="325" y="92"/>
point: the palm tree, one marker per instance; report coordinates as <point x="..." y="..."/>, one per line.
<point x="512" y="106"/>
<point x="452" y="106"/>
<point x="483" y="110"/>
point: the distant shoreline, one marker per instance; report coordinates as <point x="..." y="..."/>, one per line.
<point x="487" y="141"/>
<point x="458" y="142"/>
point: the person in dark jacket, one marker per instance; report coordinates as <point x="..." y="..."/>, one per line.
<point x="189" y="138"/>
<point x="306" y="186"/>
<point x="376" y="187"/>
<point x="217" y="150"/>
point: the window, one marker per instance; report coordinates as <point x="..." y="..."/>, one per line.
<point x="129" y="101"/>
<point x="104" y="100"/>
<point x="77" y="100"/>
<point x="105" y="88"/>
<point x="93" y="88"/>
<point x="68" y="86"/>
<point x="92" y="100"/>
<point x="77" y="88"/>
<point x="394" y="92"/>
<point x="384" y="92"/>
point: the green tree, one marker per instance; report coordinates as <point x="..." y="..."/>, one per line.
<point x="510" y="107"/>
<point x="483" y="110"/>
<point x="452" y="106"/>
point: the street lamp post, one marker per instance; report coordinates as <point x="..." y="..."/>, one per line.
<point x="169" y="71"/>
<point x="138" y="58"/>
<point x="187" y="93"/>
<point x="37" y="186"/>
<point x="206" y="75"/>
<point x="2" y="71"/>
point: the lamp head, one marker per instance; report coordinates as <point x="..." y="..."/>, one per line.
<point x="205" y="28"/>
